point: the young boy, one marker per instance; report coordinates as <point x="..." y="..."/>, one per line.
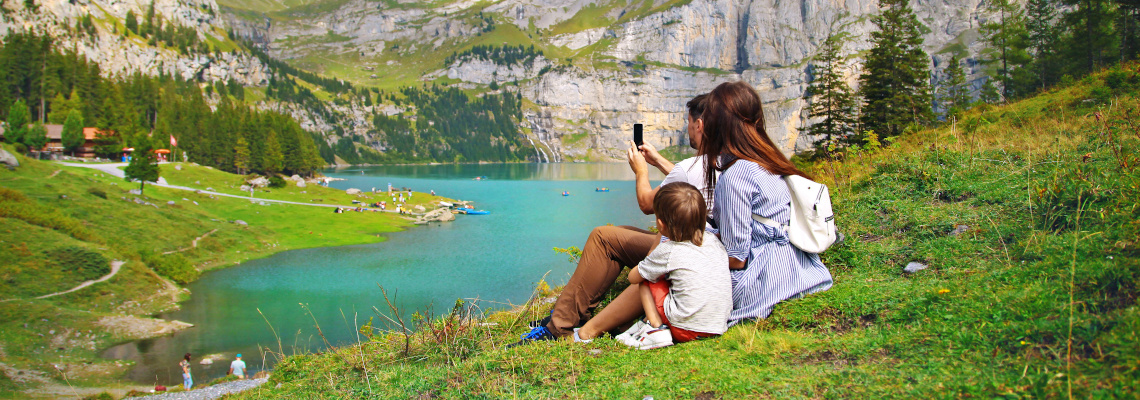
<point x="685" y="287"/>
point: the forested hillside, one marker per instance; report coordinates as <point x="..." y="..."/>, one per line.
<point x="210" y="124"/>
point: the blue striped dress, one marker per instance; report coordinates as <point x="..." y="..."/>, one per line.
<point x="775" y="270"/>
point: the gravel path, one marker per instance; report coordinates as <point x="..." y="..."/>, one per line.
<point x="209" y="393"/>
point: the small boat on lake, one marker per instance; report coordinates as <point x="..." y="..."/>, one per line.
<point x="565" y="193"/>
<point x="601" y="189"/>
<point x="472" y="211"/>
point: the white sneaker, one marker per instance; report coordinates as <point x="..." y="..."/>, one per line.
<point x="634" y="339"/>
<point x="637" y="327"/>
<point x="654" y="338"/>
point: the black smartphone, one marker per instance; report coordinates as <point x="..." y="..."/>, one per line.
<point x="637" y="129"/>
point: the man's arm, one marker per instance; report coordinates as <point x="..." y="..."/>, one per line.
<point x="643" y="190"/>
<point x="652" y="157"/>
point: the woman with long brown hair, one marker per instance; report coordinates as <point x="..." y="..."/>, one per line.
<point x="766" y="268"/>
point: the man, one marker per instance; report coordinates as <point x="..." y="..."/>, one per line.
<point x="609" y="249"/>
<point x="237" y="368"/>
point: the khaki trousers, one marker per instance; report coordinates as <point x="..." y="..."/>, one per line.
<point x="608" y="250"/>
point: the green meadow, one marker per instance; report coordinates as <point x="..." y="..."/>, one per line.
<point x="1027" y="219"/>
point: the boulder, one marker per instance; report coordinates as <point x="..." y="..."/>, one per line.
<point x="244" y="188"/>
<point x="437" y="215"/>
<point x="301" y="183"/>
<point x="177" y="167"/>
<point x="352" y="191"/>
<point x="420" y="208"/>
<point x="170" y="203"/>
<point x="296" y="178"/>
<point x="8" y="159"/>
<point x="242" y="223"/>
<point x="914" y="267"/>
<point x="258" y="182"/>
<point x="136" y="192"/>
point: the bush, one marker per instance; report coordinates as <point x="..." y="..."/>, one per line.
<point x="83" y="262"/>
<point x="21" y="148"/>
<point x="174" y="266"/>
<point x="97" y="192"/>
<point x="276" y="182"/>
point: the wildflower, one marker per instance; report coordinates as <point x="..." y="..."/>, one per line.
<point x="943" y="291"/>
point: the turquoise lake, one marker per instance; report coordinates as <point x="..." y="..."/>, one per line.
<point x="495" y="258"/>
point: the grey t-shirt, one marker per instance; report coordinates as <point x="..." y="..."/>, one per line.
<point x="238" y="366"/>
<point x="700" y="296"/>
<point x="691" y="170"/>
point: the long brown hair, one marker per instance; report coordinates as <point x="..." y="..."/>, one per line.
<point x="734" y="126"/>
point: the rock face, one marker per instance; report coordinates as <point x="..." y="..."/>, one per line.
<point x="640" y="69"/>
<point x="118" y="55"/>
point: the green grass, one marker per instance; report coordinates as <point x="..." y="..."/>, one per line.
<point x="1036" y="298"/>
<point x="45" y="207"/>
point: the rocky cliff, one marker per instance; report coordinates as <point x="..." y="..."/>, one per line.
<point x="619" y="64"/>
<point x="119" y="54"/>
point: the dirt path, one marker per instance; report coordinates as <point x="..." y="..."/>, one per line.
<point x="193" y="243"/>
<point x="115" y="265"/>
<point x="113" y="170"/>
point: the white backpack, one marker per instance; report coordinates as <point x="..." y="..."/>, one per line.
<point x="812" y="225"/>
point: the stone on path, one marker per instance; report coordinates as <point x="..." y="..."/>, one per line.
<point x="914" y="267"/>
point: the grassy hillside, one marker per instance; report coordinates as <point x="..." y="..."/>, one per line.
<point x="60" y="226"/>
<point x="1026" y="215"/>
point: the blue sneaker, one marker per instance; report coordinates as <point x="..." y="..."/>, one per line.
<point x="536" y="333"/>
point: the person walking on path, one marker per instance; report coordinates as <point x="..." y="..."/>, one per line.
<point x="766" y="268"/>
<point x="609" y="249"/>
<point x="187" y="381"/>
<point x="237" y="367"/>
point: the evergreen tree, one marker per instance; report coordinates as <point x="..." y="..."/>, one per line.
<point x="1041" y="20"/>
<point x="1091" y="42"/>
<point x="895" y="85"/>
<point x="18" y="119"/>
<point x="1008" y="40"/>
<point x="241" y="156"/>
<point x="143" y="166"/>
<point x="955" y="93"/>
<point x="72" y="135"/>
<point x="36" y="138"/>
<point x="273" y="160"/>
<point x="832" y="103"/>
<point x="132" y="22"/>
<point x="989" y="94"/>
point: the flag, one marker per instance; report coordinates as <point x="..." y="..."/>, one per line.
<point x="172" y="141"/>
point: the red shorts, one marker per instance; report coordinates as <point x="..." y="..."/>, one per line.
<point x="660" y="289"/>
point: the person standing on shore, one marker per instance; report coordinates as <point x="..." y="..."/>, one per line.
<point x="609" y="249"/>
<point x="187" y="381"/>
<point x="237" y="367"/>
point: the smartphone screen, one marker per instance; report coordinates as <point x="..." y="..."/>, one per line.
<point x="637" y="129"/>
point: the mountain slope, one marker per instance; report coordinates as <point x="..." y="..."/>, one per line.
<point x="1024" y="217"/>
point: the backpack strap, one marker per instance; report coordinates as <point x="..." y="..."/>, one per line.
<point x="769" y="222"/>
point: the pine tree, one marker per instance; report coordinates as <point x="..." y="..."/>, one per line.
<point x="143" y="166"/>
<point x="1040" y="24"/>
<point x="832" y="103"/>
<point x="1008" y="40"/>
<point x="36" y="138"/>
<point x="273" y="160"/>
<point x="1091" y="42"/>
<point x="241" y="156"/>
<point x="18" y="119"/>
<point x="132" y="22"/>
<point x="72" y="135"/>
<point x="955" y="94"/>
<point x="989" y="94"/>
<point x="895" y="85"/>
